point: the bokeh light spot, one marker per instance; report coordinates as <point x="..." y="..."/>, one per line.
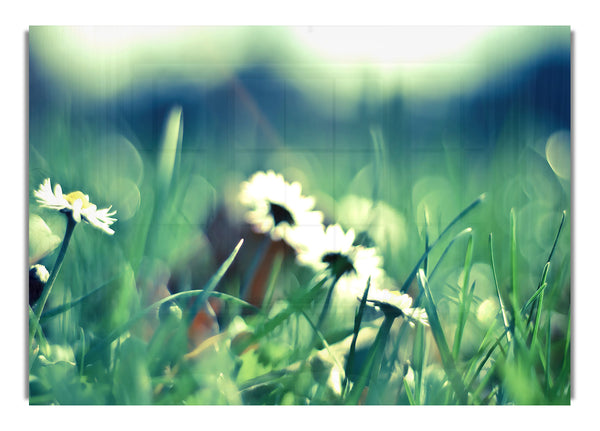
<point x="558" y="153"/>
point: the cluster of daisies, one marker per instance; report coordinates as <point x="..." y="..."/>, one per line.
<point x="278" y="208"/>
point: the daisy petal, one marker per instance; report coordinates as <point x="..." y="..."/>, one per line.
<point x="76" y="208"/>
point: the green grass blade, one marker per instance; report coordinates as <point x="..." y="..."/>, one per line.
<point x="538" y="315"/>
<point x="170" y="148"/>
<point x="533" y="298"/>
<point x="443" y="255"/>
<point x="409" y="395"/>
<point x="327" y="304"/>
<point x="181" y="295"/>
<point x="49" y="314"/>
<point x="485" y="359"/>
<point x="438" y="335"/>
<point x="545" y="270"/>
<point x="485" y="343"/>
<point x="381" y="167"/>
<point x="419" y="361"/>
<point x="42" y="343"/>
<point x="323" y="340"/>
<point x="564" y="375"/>
<point x="464" y="300"/>
<point x="447" y="249"/>
<point x="547" y="376"/>
<point x="560" y="226"/>
<point x="502" y="306"/>
<point x="205" y="293"/>
<point x="212" y="284"/>
<point x="514" y="297"/>
<point x="295" y="304"/>
<point x="271" y="286"/>
<point x="462" y="214"/>
<point x="82" y="359"/>
<point x="357" y="322"/>
<point x="484" y="382"/>
<point x="426" y="261"/>
<point x="373" y="360"/>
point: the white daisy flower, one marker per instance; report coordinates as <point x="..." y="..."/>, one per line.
<point x="277" y="207"/>
<point x="397" y="304"/>
<point x="332" y="249"/>
<point x="75" y="203"/>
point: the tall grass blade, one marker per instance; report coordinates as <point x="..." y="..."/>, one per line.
<point x="513" y="271"/>
<point x="484" y="382"/>
<point x="176" y="296"/>
<point x="560" y="226"/>
<point x="295" y="304"/>
<point x="373" y="360"/>
<point x="485" y="359"/>
<point x="323" y="340"/>
<point x="485" y="343"/>
<point x="204" y="294"/>
<point x="426" y="261"/>
<point x="326" y="305"/>
<point x="419" y="361"/>
<point x="533" y="298"/>
<point x="409" y="395"/>
<point x="212" y="284"/>
<point x="42" y="343"/>
<point x="538" y="316"/>
<point x="380" y="164"/>
<point x="49" y="314"/>
<point x="38" y="307"/>
<point x="464" y="300"/>
<point x="500" y="300"/>
<point x="357" y="322"/>
<point x="545" y="270"/>
<point x="170" y="148"/>
<point x="271" y="284"/>
<point x="82" y="359"/>
<point x="547" y="377"/>
<point x="447" y="249"/>
<point x="438" y="335"/>
<point x="462" y="214"/>
<point x="563" y="377"/>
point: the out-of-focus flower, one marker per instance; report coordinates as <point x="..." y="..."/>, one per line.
<point x="333" y="250"/>
<point x="76" y="204"/>
<point x="42" y="241"/>
<point x="397" y="304"/>
<point x="277" y="207"/>
<point x="38" y="277"/>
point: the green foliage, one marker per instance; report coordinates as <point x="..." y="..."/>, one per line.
<point x="102" y="341"/>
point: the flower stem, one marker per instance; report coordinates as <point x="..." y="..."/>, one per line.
<point x="39" y="306"/>
<point x="372" y="362"/>
<point x="326" y="306"/>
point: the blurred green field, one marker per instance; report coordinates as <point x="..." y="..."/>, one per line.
<point x="398" y="167"/>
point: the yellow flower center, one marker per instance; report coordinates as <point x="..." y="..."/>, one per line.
<point x="73" y="196"/>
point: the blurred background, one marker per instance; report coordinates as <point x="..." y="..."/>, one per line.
<point x="382" y="125"/>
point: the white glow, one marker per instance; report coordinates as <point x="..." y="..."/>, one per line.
<point x="388" y="44"/>
<point x="113" y="37"/>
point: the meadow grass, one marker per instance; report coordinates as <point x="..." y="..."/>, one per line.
<point x="114" y="329"/>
